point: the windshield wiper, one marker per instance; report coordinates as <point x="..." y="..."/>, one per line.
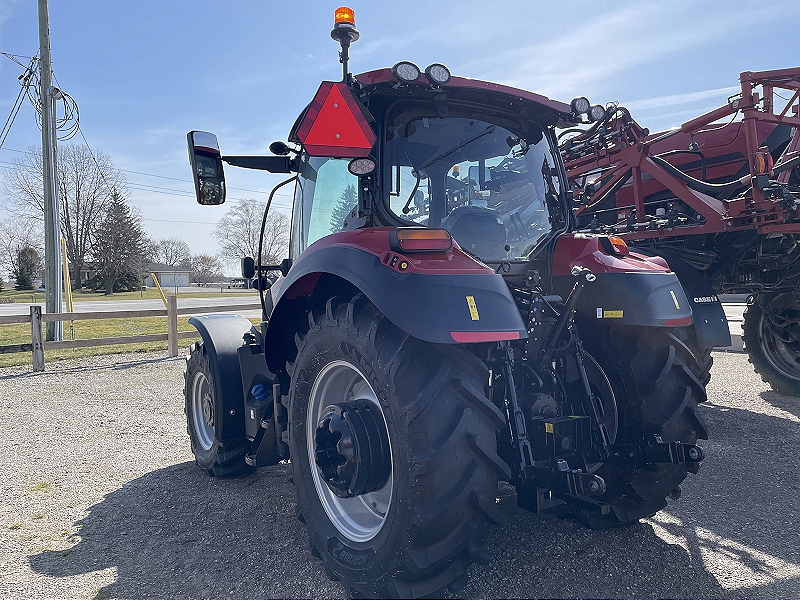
<point x="447" y="153"/>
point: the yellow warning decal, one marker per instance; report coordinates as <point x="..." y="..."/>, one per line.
<point x="473" y="308"/>
<point x="675" y="299"/>
<point x="548" y="427"/>
<point x="612" y="314"/>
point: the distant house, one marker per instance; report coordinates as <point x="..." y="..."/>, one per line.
<point x="168" y="276"/>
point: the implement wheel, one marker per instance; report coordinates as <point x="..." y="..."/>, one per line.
<point x="771" y="333"/>
<point x="393" y="451"/>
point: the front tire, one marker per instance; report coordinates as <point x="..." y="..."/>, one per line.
<point x="655" y="383"/>
<point x="202" y="408"/>
<point x="771" y="333"/>
<point x="420" y="531"/>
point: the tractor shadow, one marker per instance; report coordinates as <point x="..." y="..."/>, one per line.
<point x="68" y="366"/>
<point x="177" y="533"/>
<point x="790" y="404"/>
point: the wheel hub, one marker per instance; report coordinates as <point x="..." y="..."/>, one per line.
<point x="352" y="448"/>
<point x="208" y="410"/>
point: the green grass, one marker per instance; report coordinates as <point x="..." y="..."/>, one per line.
<point x="27" y="297"/>
<point x="90" y="329"/>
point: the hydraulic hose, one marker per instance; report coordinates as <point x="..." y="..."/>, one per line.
<point x="701" y="186"/>
<point x="786" y="166"/>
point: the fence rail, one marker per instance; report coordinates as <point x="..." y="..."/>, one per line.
<point x="36" y="318"/>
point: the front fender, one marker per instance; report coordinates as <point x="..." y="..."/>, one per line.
<point x="222" y="336"/>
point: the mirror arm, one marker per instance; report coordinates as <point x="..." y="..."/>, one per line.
<point x="273" y="164"/>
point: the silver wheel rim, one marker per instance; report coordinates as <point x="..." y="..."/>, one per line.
<point x="202" y="406"/>
<point x="606" y="401"/>
<point x="359" y="519"/>
<point x="782" y="358"/>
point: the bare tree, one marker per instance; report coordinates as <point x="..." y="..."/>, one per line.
<point x="85" y="186"/>
<point x="171" y="251"/>
<point x="16" y="234"/>
<point x="238" y="233"/>
<point x="206" y="269"/>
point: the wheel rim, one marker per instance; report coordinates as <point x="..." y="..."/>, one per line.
<point x="360" y="518"/>
<point x="202" y="406"/>
<point x="605" y="400"/>
<point x="779" y="355"/>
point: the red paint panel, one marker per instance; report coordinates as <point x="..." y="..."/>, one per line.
<point x="334" y="124"/>
<point x="584" y="250"/>
<point x="467" y="337"/>
<point x="376" y="242"/>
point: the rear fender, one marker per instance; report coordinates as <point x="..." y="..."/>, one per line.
<point x="710" y="324"/>
<point x="444" y="297"/>
<point x="629" y="290"/>
<point x="222" y="336"/>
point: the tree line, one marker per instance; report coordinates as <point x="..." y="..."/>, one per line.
<point x="105" y="235"/>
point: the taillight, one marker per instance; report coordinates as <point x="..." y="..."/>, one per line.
<point x="619" y="245"/>
<point x="420" y="240"/>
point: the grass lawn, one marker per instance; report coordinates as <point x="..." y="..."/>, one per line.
<point x="95" y="328"/>
<point x="28" y="297"/>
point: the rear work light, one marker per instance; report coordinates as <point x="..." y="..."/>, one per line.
<point x="420" y="240"/>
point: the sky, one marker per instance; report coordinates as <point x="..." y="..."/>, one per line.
<point x="145" y="73"/>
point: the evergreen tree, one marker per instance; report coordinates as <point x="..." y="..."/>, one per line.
<point x="343" y="208"/>
<point x="29" y="263"/>
<point x="120" y="246"/>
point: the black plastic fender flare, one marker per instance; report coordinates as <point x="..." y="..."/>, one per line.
<point x="428" y="306"/>
<point x="222" y="336"/>
<point x="710" y="323"/>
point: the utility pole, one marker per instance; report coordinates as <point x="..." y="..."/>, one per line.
<point x="52" y="230"/>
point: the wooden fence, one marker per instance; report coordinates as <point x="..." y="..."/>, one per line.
<point x="38" y="345"/>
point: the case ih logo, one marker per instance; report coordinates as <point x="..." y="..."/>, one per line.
<point x="705" y="299"/>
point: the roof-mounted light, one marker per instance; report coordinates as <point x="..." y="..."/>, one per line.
<point x="437" y="74"/>
<point x="580" y="105"/>
<point x="405" y="71"/>
<point x="597" y="113"/>
<point x="344" y="14"/>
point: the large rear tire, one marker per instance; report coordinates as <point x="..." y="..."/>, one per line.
<point x="418" y="533"/>
<point x="655" y="383"/>
<point x="772" y="340"/>
<point x="202" y="408"/>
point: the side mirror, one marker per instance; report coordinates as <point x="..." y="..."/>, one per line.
<point x="248" y="267"/>
<point x="206" y="161"/>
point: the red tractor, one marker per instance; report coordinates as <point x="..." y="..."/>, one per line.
<point x="438" y="327"/>
<point x="718" y="201"/>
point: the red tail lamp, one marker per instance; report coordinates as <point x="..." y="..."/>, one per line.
<point x="420" y="240"/>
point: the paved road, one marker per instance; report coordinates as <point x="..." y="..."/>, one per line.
<point x="105" y="501"/>
<point x="19" y="308"/>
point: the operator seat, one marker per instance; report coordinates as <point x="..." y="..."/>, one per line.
<point x="478" y="230"/>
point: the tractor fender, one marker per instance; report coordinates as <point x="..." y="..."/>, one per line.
<point x="710" y="323"/>
<point x="222" y="336"/>
<point x="458" y="301"/>
<point x="630" y="289"/>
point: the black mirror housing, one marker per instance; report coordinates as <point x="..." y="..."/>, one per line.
<point x="248" y="267"/>
<point x="207" y="172"/>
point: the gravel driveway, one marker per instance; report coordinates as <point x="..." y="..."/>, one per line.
<point x="101" y="499"/>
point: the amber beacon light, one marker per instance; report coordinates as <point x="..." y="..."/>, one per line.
<point x="344" y="14"/>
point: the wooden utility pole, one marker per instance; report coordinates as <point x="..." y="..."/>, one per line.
<point x="52" y="234"/>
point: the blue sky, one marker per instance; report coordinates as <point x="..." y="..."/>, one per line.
<point x="144" y="73"/>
